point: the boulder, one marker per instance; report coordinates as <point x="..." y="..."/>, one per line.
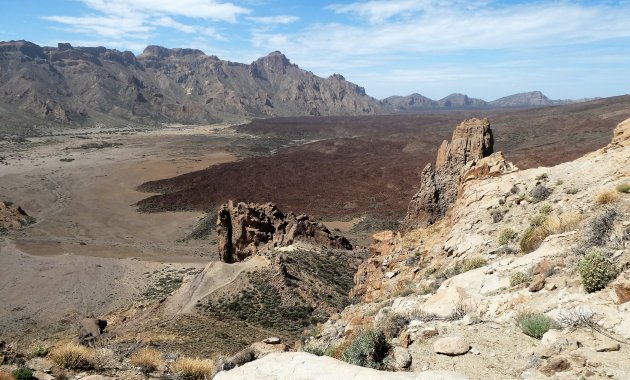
<point x="451" y="346"/>
<point x="621" y="288"/>
<point x="402" y="358"/>
<point x="554" y="365"/>
<point x="304" y="366"/>
<point x="247" y="229"/>
<point x="13" y="218"/>
<point x="537" y="283"/>
<point x="91" y="330"/>
<point x="472" y="140"/>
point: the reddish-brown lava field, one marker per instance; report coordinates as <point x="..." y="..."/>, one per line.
<point x="369" y="165"/>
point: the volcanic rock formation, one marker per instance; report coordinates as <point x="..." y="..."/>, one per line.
<point x="13" y="218"/>
<point x="245" y="229"/>
<point x="472" y="140"/>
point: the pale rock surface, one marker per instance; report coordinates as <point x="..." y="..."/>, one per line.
<point x="304" y="366"/>
<point x="451" y="346"/>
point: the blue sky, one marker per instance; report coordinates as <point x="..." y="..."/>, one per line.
<point x="486" y="49"/>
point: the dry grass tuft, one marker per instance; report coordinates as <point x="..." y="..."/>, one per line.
<point x="535" y="234"/>
<point x="73" y="356"/>
<point x="193" y="368"/>
<point x="606" y="197"/>
<point x="148" y="359"/>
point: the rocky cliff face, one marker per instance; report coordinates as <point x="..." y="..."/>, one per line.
<point x="472" y="140"/>
<point x="513" y="249"/>
<point x="247" y="229"/>
<point x="73" y="86"/>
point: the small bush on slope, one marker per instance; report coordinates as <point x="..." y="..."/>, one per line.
<point x="596" y="271"/>
<point x="623" y="187"/>
<point x="73" y="356"/>
<point x="606" y="197"/>
<point x="393" y="325"/>
<point x="367" y="350"/>
<point x="600" y="227"/>
<point x="148" y="359"/>
<point x="535" y="324"/>
<point x="23" y="374"/>
<point x="193" y="369"/>
<point x="536" y="234"/>
<point x="518" y="278"/>
<point x="507" y="235"/>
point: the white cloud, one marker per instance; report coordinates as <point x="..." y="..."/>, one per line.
<point x="136" y="20"/>
<point x="204" y="9"/>
<point x="449" y="29"/>
<point x="281" y="19"/>
<point x="106" y="26"/>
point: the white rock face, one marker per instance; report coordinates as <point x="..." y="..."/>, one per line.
<point x="304" y="366"/>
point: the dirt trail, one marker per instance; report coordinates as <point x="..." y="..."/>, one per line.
<point x="215" y="276"/>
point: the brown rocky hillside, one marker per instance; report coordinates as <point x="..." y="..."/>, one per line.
<point x="68" y="86"/>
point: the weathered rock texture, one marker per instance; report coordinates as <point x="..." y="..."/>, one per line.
<point x="472" y="140"/>
<point x="622" y="134"/>
<point x="300" y="365"/>
<point x="13" y="218"/>
<point x="246" y="229"/>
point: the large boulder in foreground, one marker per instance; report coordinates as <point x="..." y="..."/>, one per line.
<point x="472" y="140"/>
<point x="247" y="229"/>
<point x="303" y="366"/>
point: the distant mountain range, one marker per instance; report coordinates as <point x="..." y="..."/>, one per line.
<point x="67" y="87"/>
<point x="417" y="102"/>
<point x="86" y="86"/>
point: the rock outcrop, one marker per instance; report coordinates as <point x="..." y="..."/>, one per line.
<point x="621" y="135"/>
<point x="472" y="140"/>
<point x="300" y="365"/>
<point x="13" y="218"/>
<point x="246" y="229"/>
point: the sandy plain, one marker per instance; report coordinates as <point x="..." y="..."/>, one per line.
<point x="91" y="252"/>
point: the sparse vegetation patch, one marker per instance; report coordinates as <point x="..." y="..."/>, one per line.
<point x="596" y="271"/>
<point x="535" y="324"/>
<point x="507" y="235"/>
<point x="367" y="350"/>
<point x="623" y="187"/>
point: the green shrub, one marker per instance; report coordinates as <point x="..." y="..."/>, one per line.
<point x="572" y="191"/>
<point x="518" y="278"/>
<point x="39" y="352"/>
<point x="535" y="324"/>
<point x="314" y="349"/>
<point x="545" y="209"/>
<point x="623" y="187"/>
<point x="473" y="263"/>
<point x="367" y="350"/>
<point x="596" y="271"/>
<point x="507" y="235"/>
<point x="22" y="374"/>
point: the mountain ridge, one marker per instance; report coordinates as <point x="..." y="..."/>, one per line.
<point x="417" y="101"/>
<point x="89" y="86"/>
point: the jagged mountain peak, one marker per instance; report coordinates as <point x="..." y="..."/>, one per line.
<point x="162" y="52"/>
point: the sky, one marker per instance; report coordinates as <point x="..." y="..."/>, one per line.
<point x="485" y="49"/>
